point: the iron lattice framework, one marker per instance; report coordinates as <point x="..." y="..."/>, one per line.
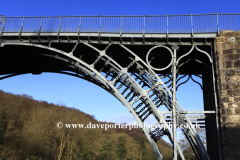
<point x="122" y="67"/>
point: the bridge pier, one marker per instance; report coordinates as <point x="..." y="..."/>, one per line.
<point x="227" y="59"/>
<point x="212" y="134"/>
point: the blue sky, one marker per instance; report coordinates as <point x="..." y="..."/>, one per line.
<point x="115" y="7"/>
<point x="74" y="92"/>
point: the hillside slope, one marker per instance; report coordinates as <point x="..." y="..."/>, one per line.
<point x="28" y="131"/>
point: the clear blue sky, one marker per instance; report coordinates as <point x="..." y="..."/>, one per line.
<point x="74" y="92"/>
<point x="115" y="7"/>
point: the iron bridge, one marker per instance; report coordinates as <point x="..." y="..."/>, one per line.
<point x="140" y="60"/>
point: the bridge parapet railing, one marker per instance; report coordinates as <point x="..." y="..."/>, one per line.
<point x="191" y="23"/>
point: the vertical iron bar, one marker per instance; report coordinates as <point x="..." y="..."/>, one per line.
<point x="100" y="21"/>
<point x="217" y="24"/>
<point x="227" y="21"/>
<point x="21" y="26"/>
<point x="238" y="18"/>
<point x="60" y="22"/>
<point x="59" y="25"/>
<point x="79" y="27"/>
<point x="144" y="27"/>
<point x="99" y="32"/>
<point x="27" y="26"/>
<point x="121" y="26"/>
<point x="23" y="21"/>
<point x="69" y="24"/>
<point x="230" y="17"/>
<point x="224" y="20"/>
<point x="192" y="24"/>
<point x="167" y="24"/>
<point x="40" y="27"/>
<point x="235" y="22"/>
<point x="4" y="24"/>
<point x="174" y="105"/>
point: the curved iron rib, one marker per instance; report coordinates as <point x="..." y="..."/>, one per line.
<point x="185" y="54"/>
<point x="197" y="82"/>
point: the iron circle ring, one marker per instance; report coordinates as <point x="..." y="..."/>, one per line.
<point x="159" y="69"/>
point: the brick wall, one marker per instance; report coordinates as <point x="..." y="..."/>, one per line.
<point x="227" y="59"/>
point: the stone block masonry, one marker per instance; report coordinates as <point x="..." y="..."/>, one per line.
<point x="227" y="60"/>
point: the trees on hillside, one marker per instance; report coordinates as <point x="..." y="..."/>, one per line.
<point x="121" y="151"/>
<point x="28" y="131"/>
<point x="185" y="146"/>
<point x="3" y="126"/>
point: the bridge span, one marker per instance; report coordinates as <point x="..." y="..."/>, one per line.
<point x="140" y="60"/>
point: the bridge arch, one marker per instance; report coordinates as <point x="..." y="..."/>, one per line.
<point x="141" y="103"/>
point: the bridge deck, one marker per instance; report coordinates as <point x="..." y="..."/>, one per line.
<point x="117" y="35"/>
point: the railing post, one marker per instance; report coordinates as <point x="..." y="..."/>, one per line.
<point x="3" y="24"/>
<point x="79" y="27"/>
<point x="167" y="24"/>
<point x="121" y="26"/>
<point x="99" y="31"/>
<point x="20" y="31"/>
<point x="40" y="27"/>
<point x="144" y="26"/>
<point x="59" y="26"/>
<point x="192" y="24"/>
<point x="217" y="25"/>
